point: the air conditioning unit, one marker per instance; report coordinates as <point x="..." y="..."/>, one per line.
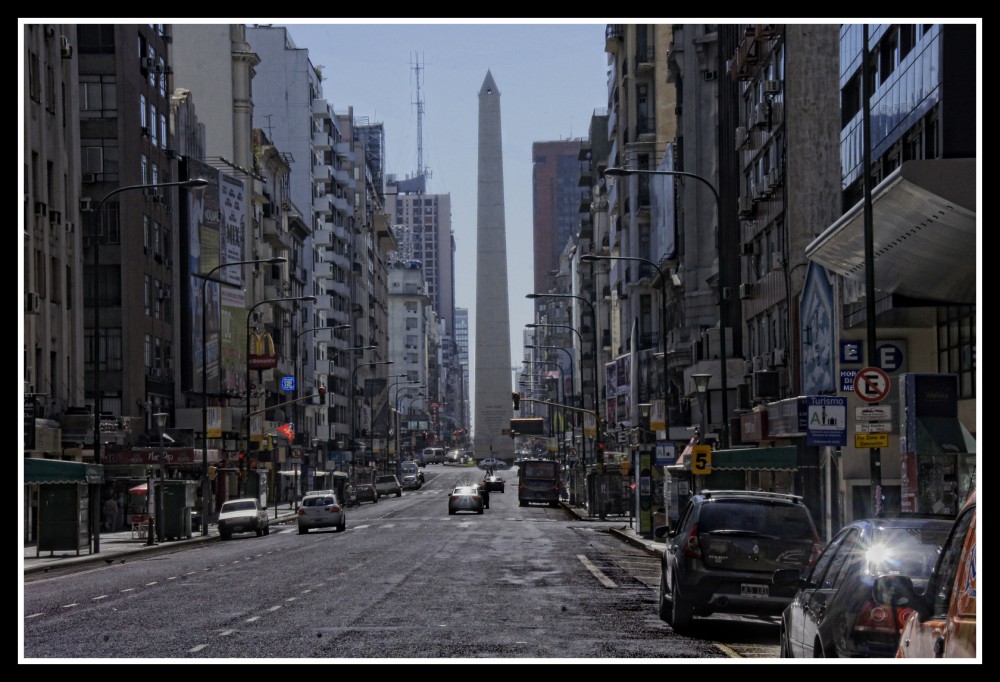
<point x="150" y="192"/>
<point x="88" y="178"/>
<point x="772" y="87"/>
<point x="32" y="303"/>
<point x="170" y="262"/>
<point x="746" y="290"/>
<point x="144" y="131"/>
<point x="40" y="208"/>
<point x="146" y="63"/>
<point x="758" y="363"/>
<point x="55" y="217"/>
<point x="70" y="227"/>
<point x="159" y="199"/>
<point x="65" y="49"/>
<point x="745" y="207"/>
<point x="711" y="75"/>
<point x="765" y="385"/>
<point x="748" y="367"/>
<point x="86" y="204"/>
<point x="778" y="260"/>
<point x="762" y="114"/>
<point x="741" y="138"/>
<point x="780" y="357"/>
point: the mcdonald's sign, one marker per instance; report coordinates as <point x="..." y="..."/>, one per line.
<point x="262" y="354"/>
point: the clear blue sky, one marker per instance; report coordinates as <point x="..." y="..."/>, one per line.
<point x="551" y="79"/>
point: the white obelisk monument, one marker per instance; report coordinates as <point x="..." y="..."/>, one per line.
<point x="494" y="407"/>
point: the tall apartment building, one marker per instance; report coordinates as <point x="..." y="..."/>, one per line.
<point x="52" y="315"/>
<point x="413" y="335"/>
<point x="462" y="350"/>
<point x="556" y="204"/>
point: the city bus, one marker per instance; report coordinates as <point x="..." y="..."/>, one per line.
<point x="538" y="481"/>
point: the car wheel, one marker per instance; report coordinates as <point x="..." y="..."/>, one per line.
<point x="375" y="501"/>
<point x="399" y="493"/>
<point x="785" y="648"/>
<point x="224" y="535"/>
<point x="680" y="610"/>
<point x="820" y="652"/>
<point x="258" y="532"/>
<point x="267" y="531"/>
<point x="522" y="503"/>
<point x="480" y="511"/>
<point x="342" y="526"/>
<point x="664" y="611"/>
<point x="302" y="531"/>
<point x="451" y="512"/>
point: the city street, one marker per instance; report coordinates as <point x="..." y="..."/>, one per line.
<point x="405" y="581"/>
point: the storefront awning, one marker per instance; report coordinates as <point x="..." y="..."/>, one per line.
<point x="46" y="471"/>
<point x="942" y="436"/>
<point x="924" y="233"/>
<point x="773" y="459"/>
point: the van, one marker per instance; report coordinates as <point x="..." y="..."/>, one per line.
<point x="943" y="622"/>
<point x="433" y="455"/>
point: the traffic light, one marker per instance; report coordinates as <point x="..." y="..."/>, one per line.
<point x="600" y="452"/>
<point x="322" y="395"/>
<point x="517" y="400"/>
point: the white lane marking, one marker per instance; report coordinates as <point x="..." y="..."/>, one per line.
<point x="306" y="591"/>
<point x="252" y="619"/>
<point x="604" y="580"/>
<point x="360" y="527"/>
<point x="173" y="577"/>
<point x="226" y="633"/>
<point x="291" y="599"/>
<point x="274" y="608"/>
<point x="196" y="649"/>
<point x="103" y="596"/>
<point x="190" y="572"/>
<point x="152" y="583"/>
<point x="128" y="589"/>
<point x="34" y="615"/>
<point x="726" y="650"/>
<point x="69" y="606"/>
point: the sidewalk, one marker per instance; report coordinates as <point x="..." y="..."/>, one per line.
<point x="620" y="528"/>
<point x="118" y="546"/>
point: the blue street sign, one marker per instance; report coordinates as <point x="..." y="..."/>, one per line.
<point x="288" y="383"/>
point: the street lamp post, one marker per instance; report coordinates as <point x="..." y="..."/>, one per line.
<point x="557" y="432"/>
<point x="161" y="422"/>
<point x="621" y="172"/>
<point x="371" y="424"/>
<point x="395" y="406"/>
<point x="352" y="387"/>
<point x="598" y="451"/>
<point x="96" y="348"/>
<point x="205" y="485"/>
<point x="246" y="452"/>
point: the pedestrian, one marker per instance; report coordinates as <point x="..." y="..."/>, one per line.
<point x="110" y="514"/>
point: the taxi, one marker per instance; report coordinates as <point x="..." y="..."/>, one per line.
<point x="943" y="623"/>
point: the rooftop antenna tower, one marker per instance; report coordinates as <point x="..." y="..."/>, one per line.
<point x="417" y="68"/>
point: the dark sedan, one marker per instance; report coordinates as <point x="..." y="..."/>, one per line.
<point x="833" y="614"/>
<point x="494" y="483"/>
<point x="365" y="492"/>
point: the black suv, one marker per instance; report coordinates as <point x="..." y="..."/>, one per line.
<point x="722" y="554"/>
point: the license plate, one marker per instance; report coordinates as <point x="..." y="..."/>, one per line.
<point x="747" y="590"/>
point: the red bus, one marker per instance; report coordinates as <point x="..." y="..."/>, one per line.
<point x="538" y="481"/>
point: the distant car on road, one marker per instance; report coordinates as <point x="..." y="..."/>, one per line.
<point x="366" y="492"/>
<point x="321" y="511"/>
<point x="242" y="516"/>
<point x="494" y="483"/>
<point x="490" y="463"/>
<point x="465" y="498"/>
<point x="388" y="484"/>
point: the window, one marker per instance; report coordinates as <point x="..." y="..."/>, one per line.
<point x="158" y="300"/>
<point x="956" y="327"/>
<point x="95" y="38"/>
<point x="34" y="78"/>
<point x="40" y="272"/>
<point x="147" y="293"/>
<point x="944" y="580"/>
<point x="153" y="122"/>
<point x="148" y="353"/>
<point x="163" y="131"/>
<point x="50" y="89"/>
<point x="97" y="96"/>
<point x="100" y="157"/>
<point x="54" y="271"/>
<point x="110" y="350"/>
<point x="143" y="113"/>
<point x="147" y="235"/>
<point x="143" y="169"/>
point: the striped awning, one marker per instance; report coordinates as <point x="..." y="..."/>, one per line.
<point x="49" y="471"/>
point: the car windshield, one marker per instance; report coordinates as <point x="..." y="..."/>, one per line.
<point x="766" y="518"/>
<point x="237" y="506"/>
<point x="318" y="501"/>
<point x="384" y="479"/>
<point x="467" y="490"/>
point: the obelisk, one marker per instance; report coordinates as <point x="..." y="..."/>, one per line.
<point x="493" y="407"/>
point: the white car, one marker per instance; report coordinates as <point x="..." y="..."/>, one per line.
<point x="321" y="510"/>
<point x="242" y="516"/>
<point x="490" y="463"/>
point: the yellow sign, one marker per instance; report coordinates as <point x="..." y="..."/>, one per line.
<point x="871" y="440"/>
<point x="701" y="459"/>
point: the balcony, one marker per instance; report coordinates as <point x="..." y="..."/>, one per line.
<point x="343" y="177"/>
<point x="324" y="237"/>
<point x="322" y="269"/>
<point x="344" y="151"/>
<point x="586" y="196"/>
<point x="320" y="109"/>
<point x="323" y="204"/>
<point x="340" y="204"/>
<point x="645" y="57"/>
<point x="614" y="35"/>
<point x="321" y="140"/>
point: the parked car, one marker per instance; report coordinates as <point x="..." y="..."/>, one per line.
<point x="465" y="498"/>
<point x="722" y="554"/>
<point x="833" y="614"/>
<point x="321" y="511"/>
<point x="388" y="484"/>
<point x="411" y="481"/>
<point x="366" y="492"/>
<point x="494" y="482"/>
<point x="489" y="463"/>
<point x="242" y="516"/>
<point x="413" y="477"/>
<point x="944" y="618"/>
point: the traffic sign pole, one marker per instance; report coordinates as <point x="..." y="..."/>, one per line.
<point x="872" y="385"/>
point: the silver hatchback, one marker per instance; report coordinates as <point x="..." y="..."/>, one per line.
<point x="321" y="511"/>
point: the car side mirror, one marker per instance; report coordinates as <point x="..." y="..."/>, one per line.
<point x="785" y="577"/>
<point x="662" y="532"/>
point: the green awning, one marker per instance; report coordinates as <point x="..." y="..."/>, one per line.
<point x="38" y="471"/>
<point x="775" y="459"/>
<point x="942" y="436"/>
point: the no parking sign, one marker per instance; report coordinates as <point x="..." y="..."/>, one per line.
<point x="871" y="384"/>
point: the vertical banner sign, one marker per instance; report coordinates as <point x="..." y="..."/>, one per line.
<point x="589" y="425"/>
<point x="657" y="415"/>
<point x="214" y="422"/>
